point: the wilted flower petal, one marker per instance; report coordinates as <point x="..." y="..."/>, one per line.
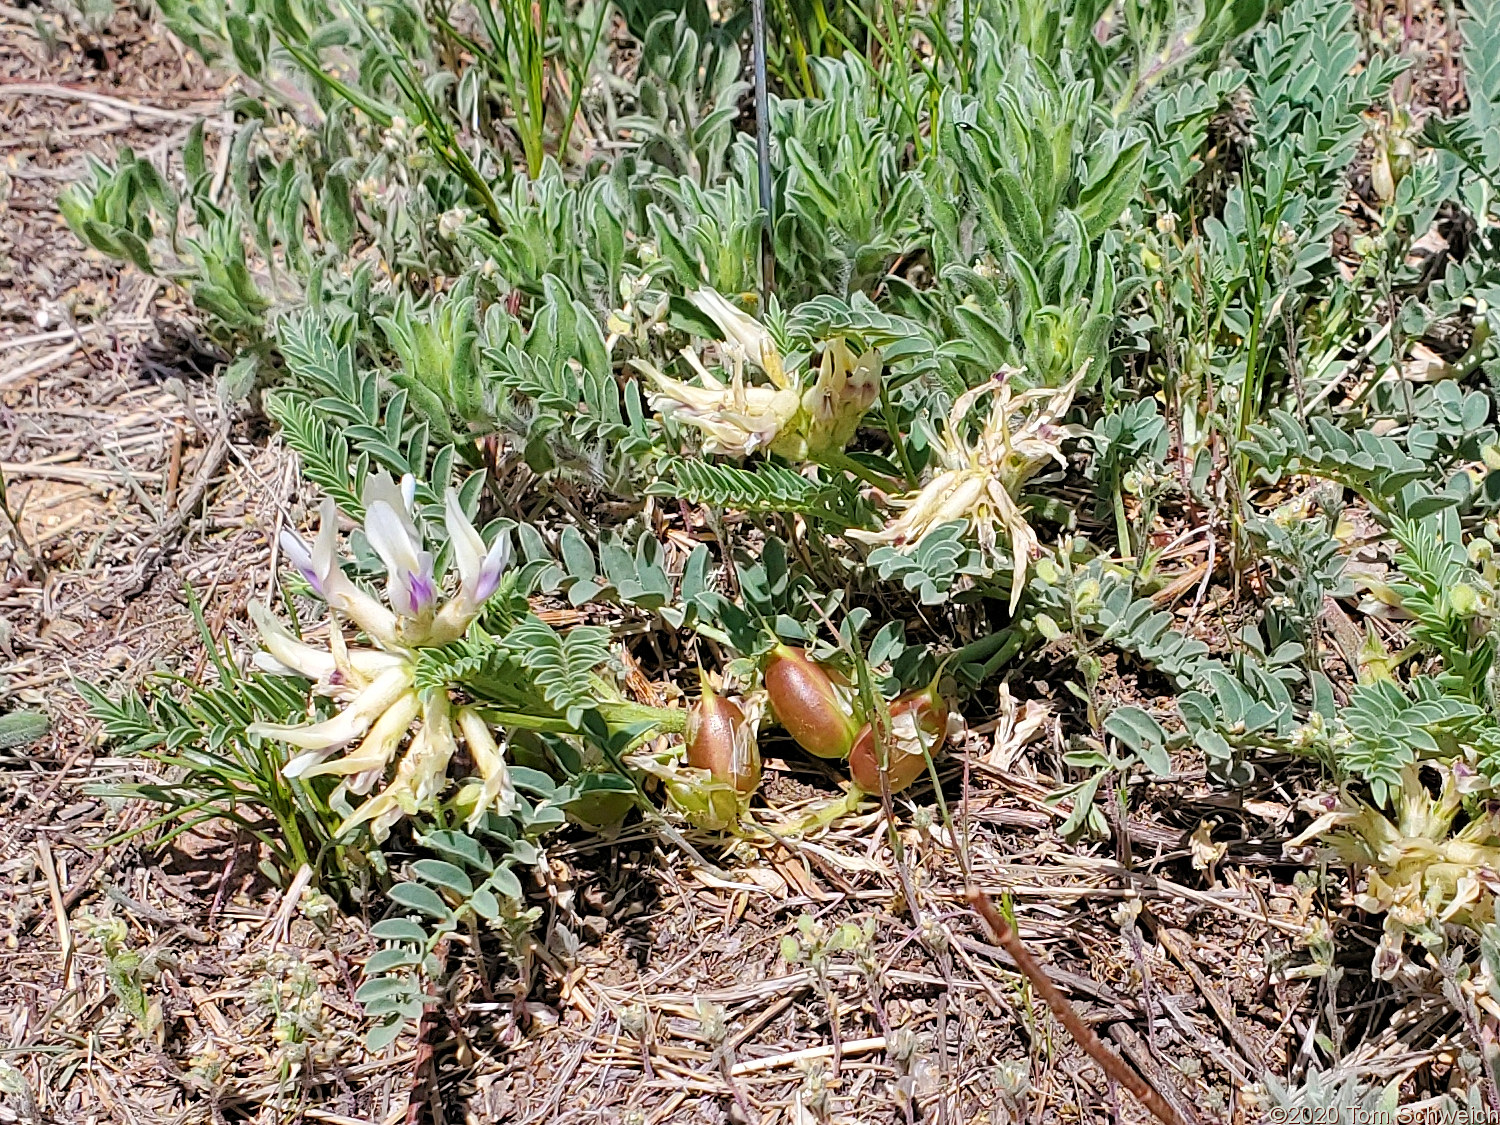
<point x="420" y="776"/>
<point x="1417" y="871"/>
<point x="788" y="417"/>
<point x="979" y="481"/>
<point x="736" y="420"/>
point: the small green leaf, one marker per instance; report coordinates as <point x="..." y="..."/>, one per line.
<point x="384" y="988"/>
<point x="1143" y="734"/>
<point x="21" y="728"/>
<point x="418" y="897"/>
<point x="485" y="905"/>
<point x="448" y="876"/>
<point x="387" y="959"/>
<point x="504" y="882"/>
<point x="460" y="847"/>
<point x="336" y="211"/>
<point x="382" y="1035"/>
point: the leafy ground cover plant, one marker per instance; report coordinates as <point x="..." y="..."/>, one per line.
<point x="1160" y="338"/>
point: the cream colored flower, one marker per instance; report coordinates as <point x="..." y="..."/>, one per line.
<point x="421" y="775"/>
<point x="979" y="482"/>
<point x="375" y="687"/>
<point x="495" y="789"/>
<point x="735" y="419"/>
<point x="738" y="418"/>
<point x="846" y="387"/>
<point x="746" y="339"/>
<point x="1418" y="872"/>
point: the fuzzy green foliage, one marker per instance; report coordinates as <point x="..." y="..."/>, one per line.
<point x="465" y="244"/>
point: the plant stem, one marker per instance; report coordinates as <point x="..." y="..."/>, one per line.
<point x="842" y="462"/>
<point x="819" y="818"/>
<point x="763" y="150"/>
<point x="34" y="563"/>
<point x="891" y="428"/>
<point x="1114" y="1067"/>
<point x="617" y="714"/>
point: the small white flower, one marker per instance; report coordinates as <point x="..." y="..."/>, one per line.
<point x="390" y="526"/>
<point x="320" y="566"/>
<point x="479" y="567"/>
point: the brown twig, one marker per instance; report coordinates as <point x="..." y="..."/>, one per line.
<point x="1005" y="935"/>
<point x="1145" y="1058"/>
<point x="174" y="471"/>
<point x="59" y="911"/>
<point x="153" y="552"/>
<point x="72" y="91"/>
<point x="224" y="877"/>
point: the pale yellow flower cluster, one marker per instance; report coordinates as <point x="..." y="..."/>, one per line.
<point x="1418" y="872"/>
<point x="979" y="481"/>
<point x="375" y="687"/>
<point x="789" y="417"/>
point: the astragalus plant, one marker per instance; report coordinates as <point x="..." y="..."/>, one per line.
<point x="1136" y="336"/>
<point x="377" y="687"/>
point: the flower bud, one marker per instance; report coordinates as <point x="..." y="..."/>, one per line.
<point x="847" y="386"/>
<point x="808" y="704"/>
<point x="918" y="720"/>
<point x="1463" y="598"/>
<point x="720" y="741"/>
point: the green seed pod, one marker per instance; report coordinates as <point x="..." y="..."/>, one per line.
<point x="808" y="704"/>
<point x="918" y="719"/>
<point x="711" y="805"/>
<point x="721" y="742"/>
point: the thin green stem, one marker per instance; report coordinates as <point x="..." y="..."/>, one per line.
<point x="842" y="462"/>
<point x="580" y="77"/>
<point x="617" y="715"/>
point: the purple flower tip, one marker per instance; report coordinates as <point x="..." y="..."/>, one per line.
<point x="418" y="594"/>
<point x="299" y="556"/>
<point x="489" y="582"/>
<point x="491" y="569"/>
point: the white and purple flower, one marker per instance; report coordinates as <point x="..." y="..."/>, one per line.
<point x="376" y="685"/>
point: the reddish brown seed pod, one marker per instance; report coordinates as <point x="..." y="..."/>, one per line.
<point x="918" y="719"/>
<point x="720" y="741"/>
<point x="808" y="704"/>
